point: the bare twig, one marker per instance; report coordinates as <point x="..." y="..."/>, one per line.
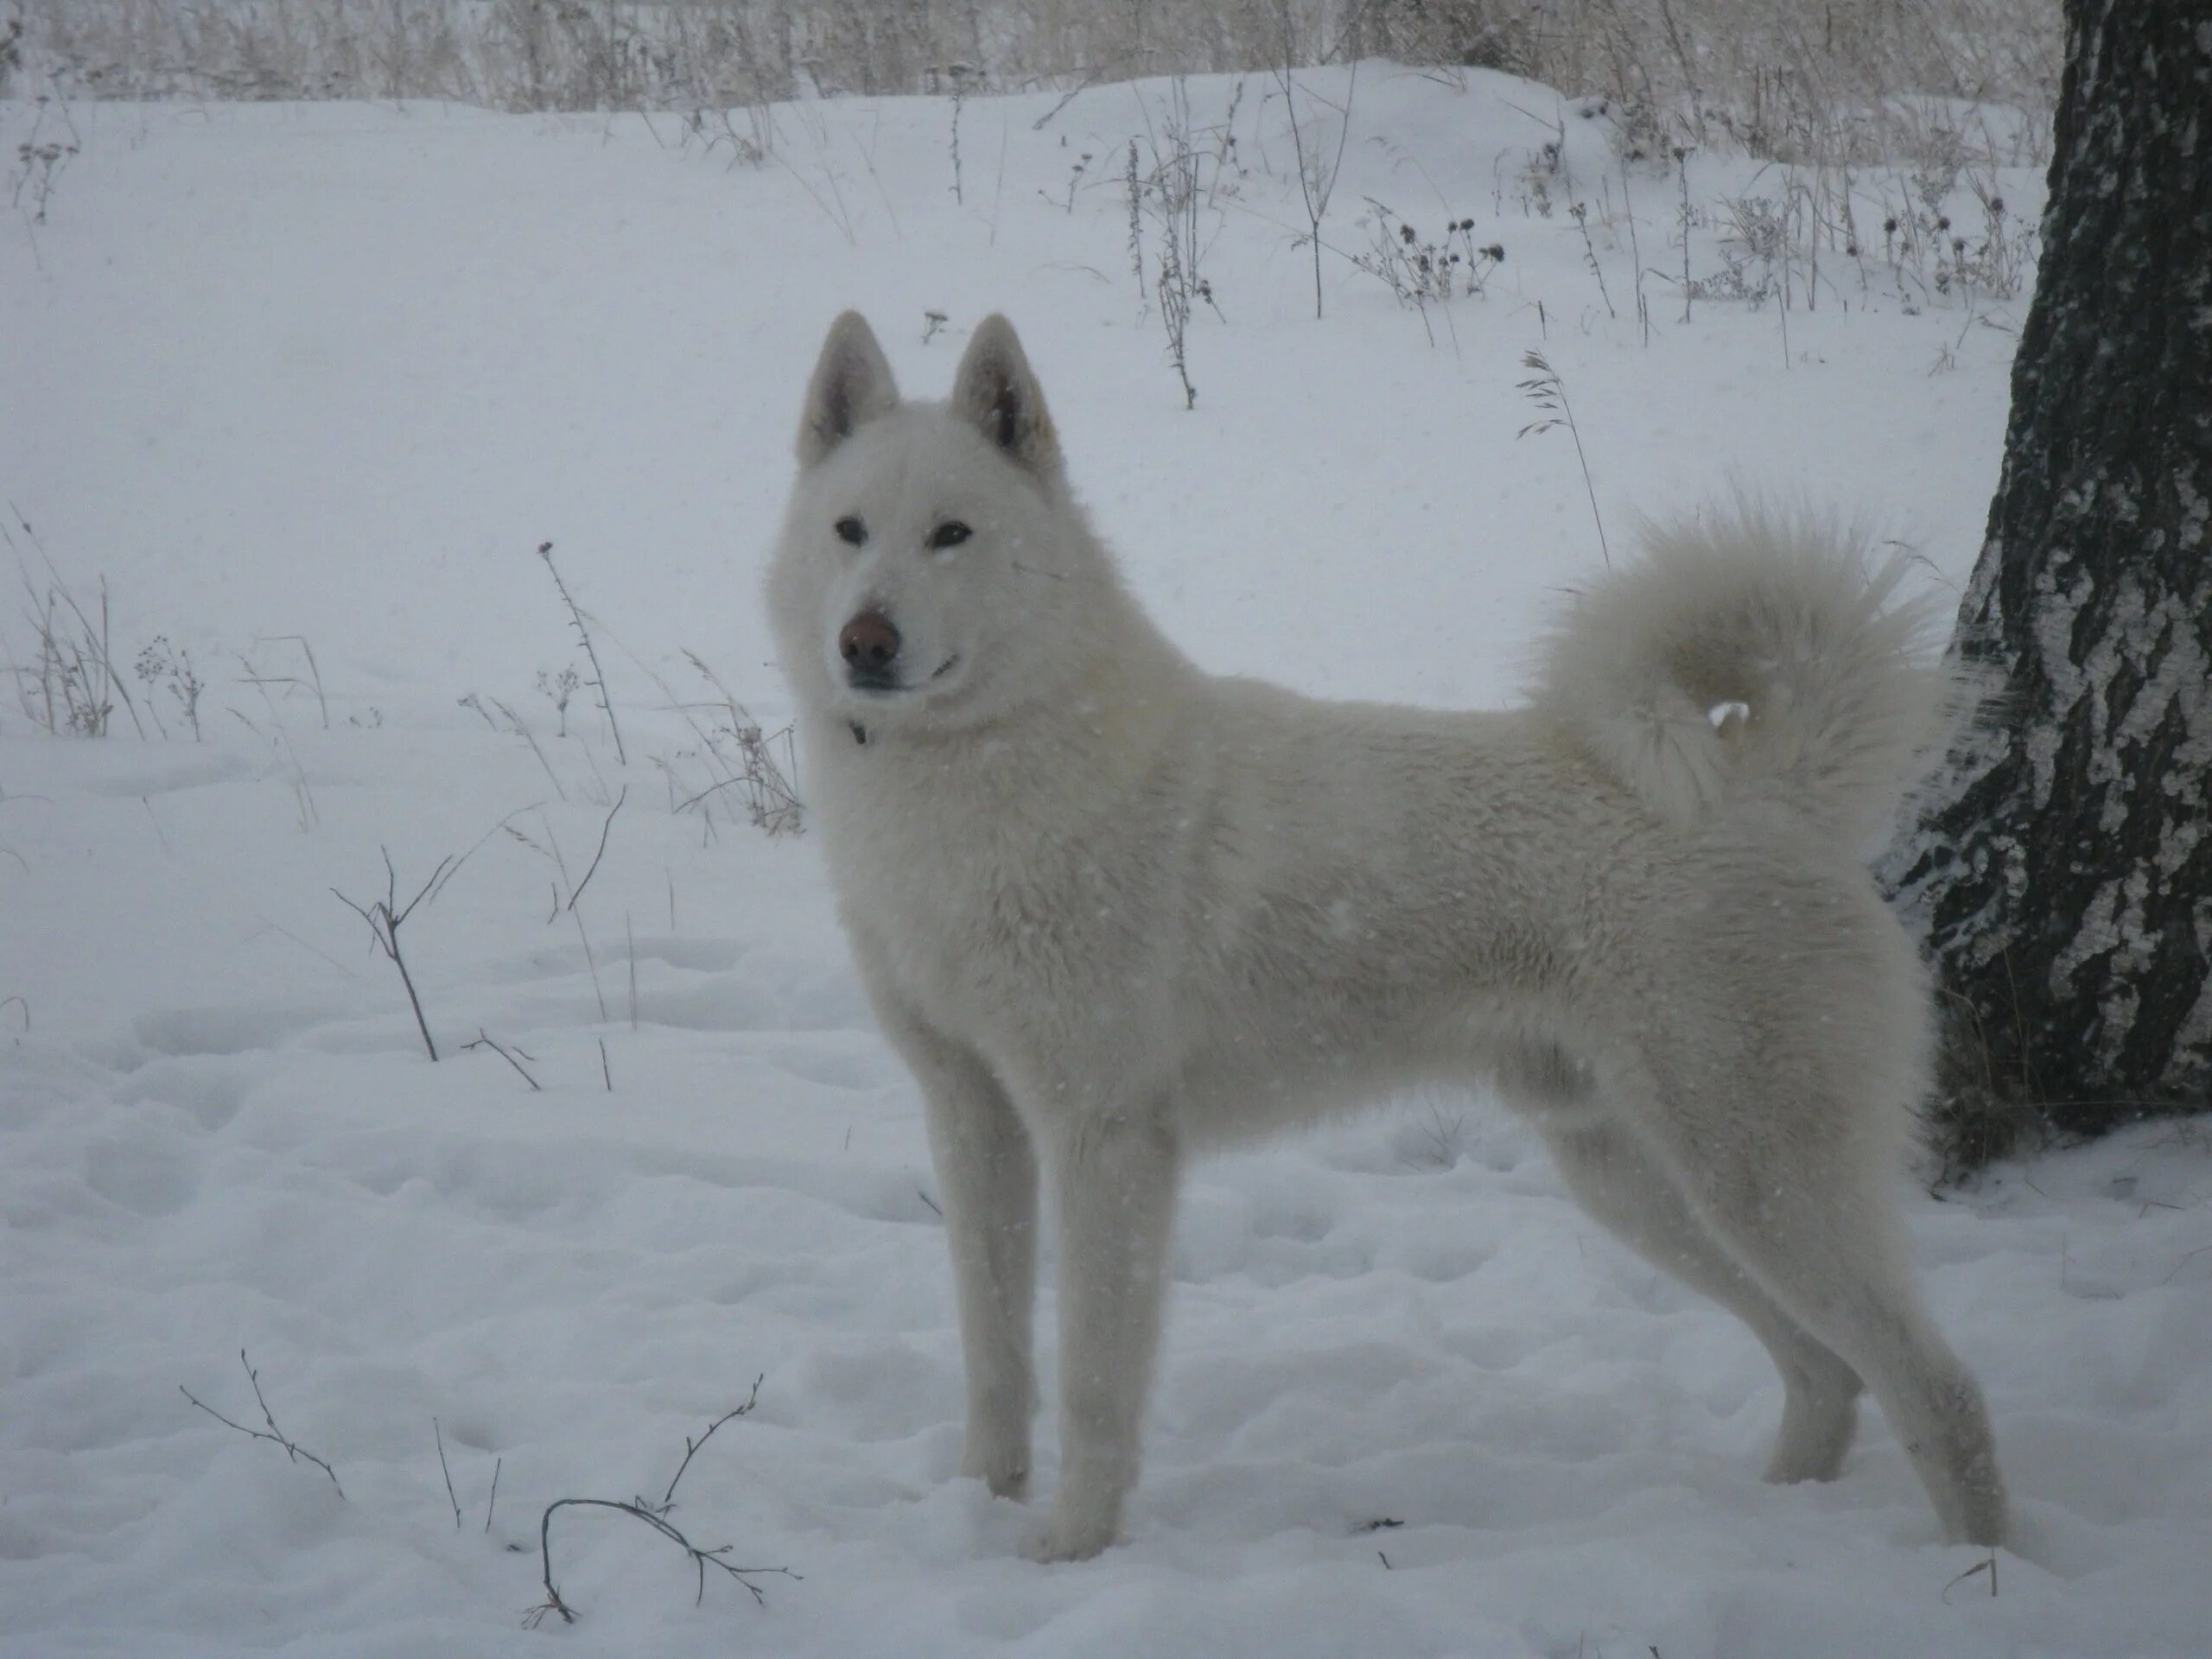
<point x="630" y="934"/>
<point x="656" y="1517"/>
<point x="386" y="917"/>
<point x="770" y="787"/>
<point x="768" y="783"/>
<point x="1090" y="78"/>
<point x="1580" y="212"/>
<point x="691" y="1446"/>
<point x="447" y="1472"/>
<point x="1635" y="253"/>
<point x="274" y="1434"/>
<point x="1317" y="174"/>
<point x="505" y="823"/>
<point x="1974" y="1572"/>
<point x="591" y="964"/>
<point x="700" y="1559"/>
<point x="493" y="1501"/>
<point x="998" y="188"/>
<point x="578" y="891"/>
<point x="2186" y="1256"/>
<point x="73" y="686"/>
<point x="527" y="736"/>
<point x="483" y="1041"/>
<point x="598" y="678"/>
<point x="315" y="673"/>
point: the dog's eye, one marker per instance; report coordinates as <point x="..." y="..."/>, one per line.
<point x="851" y="530"/>
<point x="951" y="533"/>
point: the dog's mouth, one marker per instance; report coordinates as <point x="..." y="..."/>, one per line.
<point x="880" y="683"/>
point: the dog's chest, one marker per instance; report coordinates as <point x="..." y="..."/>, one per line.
<point x="985" y="916"/>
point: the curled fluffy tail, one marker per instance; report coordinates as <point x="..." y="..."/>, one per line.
<point x="1755" y="656"/>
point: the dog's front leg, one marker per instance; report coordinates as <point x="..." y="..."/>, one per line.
<point x="1113" y="1173"/>
<point x="987" y="1172"/>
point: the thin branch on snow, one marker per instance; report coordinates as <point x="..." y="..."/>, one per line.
<point x="386" y="917"/>
<point x="448" y="1472"/>
<point x="483" y="1041"/>
<point x="604" y="829"/>
<point x="1974" y="1572"/>
<point x="700" y="1559"/>
<point x="691" y="1446"/>
<point x="656" y="1517"/>
<point x="598" y="678"/>
<point x="273" y="1435"/>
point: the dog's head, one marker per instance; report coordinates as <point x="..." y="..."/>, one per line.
<point x="932" y="569"/>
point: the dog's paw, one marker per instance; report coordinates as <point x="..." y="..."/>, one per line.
<point x="1003" y="1470"/>
<point x="995" y="1450"/>
<point x="1073" y="1533"/>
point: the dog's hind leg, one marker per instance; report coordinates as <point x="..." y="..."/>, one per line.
<point x="987" y="1172"/>
<point x="1624" y="1187"/>
<point x="1113" y="1173"/>
<point x="1812" y="1218"/>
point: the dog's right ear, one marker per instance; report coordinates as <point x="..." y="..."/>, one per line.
<point x="851" y="384"/>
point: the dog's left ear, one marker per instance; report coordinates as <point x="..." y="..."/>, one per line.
<point x="997" y="390"/>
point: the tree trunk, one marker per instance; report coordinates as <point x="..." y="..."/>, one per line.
<point x="2064" y="868"/>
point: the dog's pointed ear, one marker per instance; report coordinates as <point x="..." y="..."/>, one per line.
<point x="997" y="390"/>
<point x="852" y="383"/>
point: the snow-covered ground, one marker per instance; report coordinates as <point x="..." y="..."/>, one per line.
<point x="320" y="379"/>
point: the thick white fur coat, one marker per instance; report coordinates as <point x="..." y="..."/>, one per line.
<point x="1114" y="909"/>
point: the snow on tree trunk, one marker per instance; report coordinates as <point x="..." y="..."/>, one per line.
<point x="2063" y="871"/>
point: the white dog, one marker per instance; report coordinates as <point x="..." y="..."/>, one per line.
<point x="1112" y="910"/>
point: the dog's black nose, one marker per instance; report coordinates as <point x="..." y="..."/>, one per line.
<point x="869" y="644"/>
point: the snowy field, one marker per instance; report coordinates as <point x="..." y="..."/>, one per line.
<point x="306" y="387"/>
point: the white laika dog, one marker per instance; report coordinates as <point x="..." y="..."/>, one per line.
<point x="1112" y="910"/>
